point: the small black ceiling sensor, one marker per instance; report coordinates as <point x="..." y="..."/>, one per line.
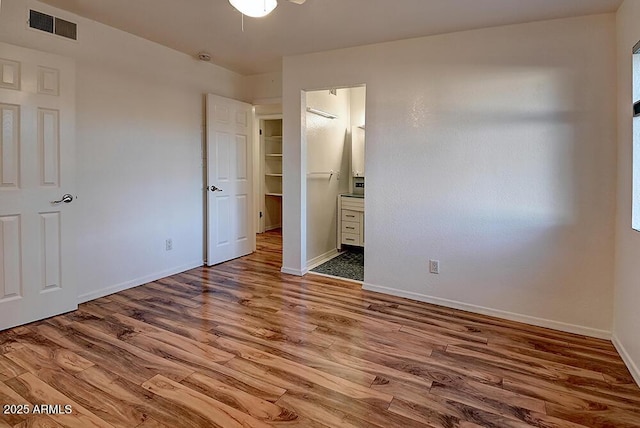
<point x="636" y="109"/>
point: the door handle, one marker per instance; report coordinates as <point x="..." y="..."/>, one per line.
<point x="66" y="198"/>
<point x="215" y="189"/>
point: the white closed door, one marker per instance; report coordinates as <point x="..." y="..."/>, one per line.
<point x="230" y="225"/>
<point x="37" y="168"/>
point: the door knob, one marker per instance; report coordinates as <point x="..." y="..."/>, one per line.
<point x="67" y="198"/>
<point x="215" y="189"/>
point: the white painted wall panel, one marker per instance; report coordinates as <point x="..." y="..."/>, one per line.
<point x="492" y="151"/>
<point x="328" y="149"/>
<point x="627" y="250"/>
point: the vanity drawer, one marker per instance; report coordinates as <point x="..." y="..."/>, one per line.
<point x="353" y="204"/>
<point x="351" y="239"/>
<point x="350" y="216"/>
<point x="351" y="227"/>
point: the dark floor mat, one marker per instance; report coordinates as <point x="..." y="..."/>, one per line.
<point x="349" y="264"/>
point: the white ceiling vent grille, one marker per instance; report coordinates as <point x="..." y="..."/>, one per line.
<point x="51" y="24"/>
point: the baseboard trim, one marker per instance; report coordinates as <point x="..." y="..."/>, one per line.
<point x="296" y="272"/>
<point x="136" y="282"/>
<point x="631" y="365"/>
<point x="323" y="258"/>
<point x="338" y="278"/>
<point x="511" y="316"/>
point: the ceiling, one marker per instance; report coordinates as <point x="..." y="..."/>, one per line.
<point x="214" y="26"/>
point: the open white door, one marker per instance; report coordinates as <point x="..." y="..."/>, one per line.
<point x="230" y="225"/>
<point x="37" y="167"/>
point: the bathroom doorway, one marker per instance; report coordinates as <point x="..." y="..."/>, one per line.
<point x="335" y="134"/>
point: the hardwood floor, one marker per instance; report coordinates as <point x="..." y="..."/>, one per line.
<point x="242" y="345"/>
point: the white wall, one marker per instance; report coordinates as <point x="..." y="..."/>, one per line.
<point x="492" y="151"/>
<point x="627" y="250"/>
<point x="328" y="149"/>
<point x="264" y="88"/>
<point x="139" y="148"/>
<point x="358" y="104"/>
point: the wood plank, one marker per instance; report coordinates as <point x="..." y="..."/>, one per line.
<point x="9" y="396"/>
<point x="597" y="417"/>
<point x="9" y="369"/>
<point x="427" y="368"/>
<point x="219" y="414"/>
<point x="320" y="414"/>
<point x="322" y="397"/>
<point x="38" y="421"/>
<point x="246" y="403"/>
<point x="164" y="320"/>
<point x="309" y="356"/>
<point x="326" y="315"/>
<point x="196" y="348"/>
<point x="498" y="402"/>
<point x="39" y="392"/>
<point x="570" y="397"/>
<point x="307" y="374"/>
<point x="163" y="411"/>
<point x="151" y="423"/>
<point x="8" y="340"/>
<point x="141" y="360"/>
<point x="522" y="363"/>
<point x="111" y="409"/>
<point x="308" y="351"/>
<point x="434" y="413"/>
<point x="476" y="394"/>
<point x="218" y="311"/>
<point x="57" y="359"/>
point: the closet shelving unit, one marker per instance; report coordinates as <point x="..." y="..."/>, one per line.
<point x="272" y="167"/>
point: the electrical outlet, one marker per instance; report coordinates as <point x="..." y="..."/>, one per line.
<point x="434" y="266"/>
<point x="168" y="244"/>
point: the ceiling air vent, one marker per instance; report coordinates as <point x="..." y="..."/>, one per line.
<point x="51" y="24"/>
<point x="66" y="29"/>
<point x="40" y="21"/>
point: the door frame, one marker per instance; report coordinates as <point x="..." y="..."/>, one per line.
<point x="259" y="168"/>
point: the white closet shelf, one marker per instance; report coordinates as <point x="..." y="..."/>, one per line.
<point x="274" y="155"/>
<point x="278" y="195"/>
<point x="273" y="175"/>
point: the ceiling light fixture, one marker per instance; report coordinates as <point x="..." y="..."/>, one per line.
<point x="254" y="8"/>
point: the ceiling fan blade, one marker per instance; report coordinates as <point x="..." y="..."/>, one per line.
<point x="292" y="1"/>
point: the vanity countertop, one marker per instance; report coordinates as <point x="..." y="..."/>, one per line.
<point x="352" y="195"/>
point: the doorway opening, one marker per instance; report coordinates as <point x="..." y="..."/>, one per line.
<point x="270" y="215"/>
<point x="335" y="135"/>
<point x="268" y="177"/>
